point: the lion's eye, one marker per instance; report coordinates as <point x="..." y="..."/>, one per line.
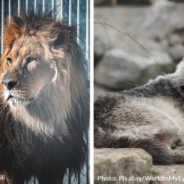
<point x="9" y="61"/>
<point x="30" y="59"/>
<point x="31" y="63"/>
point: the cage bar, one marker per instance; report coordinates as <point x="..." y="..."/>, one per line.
<point x="35" y="3"/>
<point x="43" y="6"/>
<point x="61" y="10"/>
<point x="52" y="8"/>
<point x="2" y="24"/>
<point x="9" y="10"/>
<point x="26" y="5"/>
<point x="70" y="13"/>
<point x="87" y="28"/>
<point x="78" y="21"/>
<point x="18" y="7"/>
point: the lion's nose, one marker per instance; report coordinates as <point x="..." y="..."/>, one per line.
<point x="9" y="81"/>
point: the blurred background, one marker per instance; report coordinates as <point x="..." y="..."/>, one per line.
<point x="135" y="41"/>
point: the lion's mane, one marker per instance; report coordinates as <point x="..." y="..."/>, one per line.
<point x="58" y="146"/>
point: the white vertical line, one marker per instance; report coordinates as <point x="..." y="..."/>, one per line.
<point x="18" y="7"/>
<point x="52" y="8"/>
<point x="91" y="74"/>
<point x="43" y="6"/>
<point x="26" y="5"/>
<point x="78" y="22"/>
<point x="70" y="12"/>
<point x="87" y="30"/>
<point x="61" y="15"/>
<point x="9" y="10"/>
<point x="35" y="6"/>
<point x="2" y="25"/>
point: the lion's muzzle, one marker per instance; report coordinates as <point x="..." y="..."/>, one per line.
<point x="10" y="81"/>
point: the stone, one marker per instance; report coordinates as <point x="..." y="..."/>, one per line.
<point x="177" y="1"/>
<point x="174" y="39"/>
<point x="114" y="164"/>
<point x="170" y="171"/>
<point x="99" y="91"/>
<point x="162" y="13"/>
<point x="177" y="52"/>
<point x="99" y="50"/>
<point x="120" y="69"/>
<point x="134" y="1"/>
<point x="101" y="2"/>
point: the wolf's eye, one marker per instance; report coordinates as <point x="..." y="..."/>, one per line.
<point x="9" y="61"/>
<point x="182" y="88"/>
<point x="30" y="59"/>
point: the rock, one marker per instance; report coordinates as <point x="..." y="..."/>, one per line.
<point x="170" y="171"/>
<point x="120" y="69"/>
<point x="177" y="1"/>
<point x="98" y="91"/>
<point x="174" y="39"/>
<point x="162" y="13"/>
<point x="177" y="52"/>
<point x="135" y="1"/>
<point x="99" y="50"/>
<point x="143" y="21"/>
<point x="114" y="2"/>
<point x="113" y="164"/>
<point x="101" y="2"/>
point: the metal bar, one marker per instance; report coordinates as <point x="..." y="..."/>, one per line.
<point x="61" y="11"/>
<point x="52" y="8"/>
<point x="2" y="25"/>
<point x="43" y="6"/>
<point x="26" y="5"/>
<point x="87" y="29"/>
<point x="18" y="7"/>
<point x="35" y="2"/>
<point x="70" y="13"/>
<point x="78" y="22"/>
<point x="9" y="10"/>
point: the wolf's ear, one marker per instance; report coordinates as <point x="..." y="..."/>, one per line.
<point x="180" y="69"/>
<point x="177" y="78"/>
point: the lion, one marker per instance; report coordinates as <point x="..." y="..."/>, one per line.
<point x="44" y="109"/>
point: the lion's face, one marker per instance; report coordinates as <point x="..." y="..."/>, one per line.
<point x="28" y="71"/>
<point x="41" y="71"/>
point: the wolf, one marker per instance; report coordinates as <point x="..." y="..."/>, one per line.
<point x="150" y="117"/>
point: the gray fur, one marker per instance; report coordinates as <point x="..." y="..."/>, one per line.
<point x="149" y="117"/>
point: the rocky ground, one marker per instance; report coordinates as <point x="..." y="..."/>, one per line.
<point x="135" y="41"/>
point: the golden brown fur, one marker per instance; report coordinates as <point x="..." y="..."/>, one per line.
<point x="48" y="105"/>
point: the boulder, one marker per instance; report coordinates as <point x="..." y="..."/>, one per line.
<point x="113" y="165"/>
<point x="99" y="91"/>
<point x="177" y="1"/>
<point x="120" y="69"/>
<point x="172" y="174"/>
<point x="101" y="2"/>
<point x="134" y="2"/>
<point x="161" y="19"/>
<point x="177" y="52"/>
<point x="99" y="50"/>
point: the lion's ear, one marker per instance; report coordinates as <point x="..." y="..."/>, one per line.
<point x="13" y="30"/>
<point x="63" y="36"/>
